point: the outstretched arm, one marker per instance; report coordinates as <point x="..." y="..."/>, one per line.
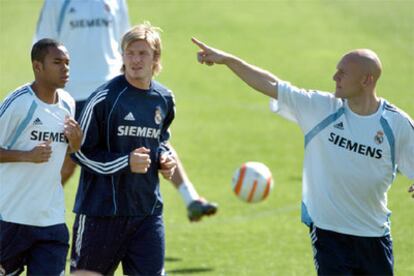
<point x="257" y="78"/>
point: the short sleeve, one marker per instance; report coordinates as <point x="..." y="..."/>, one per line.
<point x="10" y="118"/>
<point x="122" y="20"/>
<point x="305" y="107"/>
<point x="48" y="22"/>
<point x="405" y="149"/>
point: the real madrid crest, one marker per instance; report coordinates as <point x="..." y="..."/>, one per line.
<point x="379" y="137"/>
<point x="158" y="117"/>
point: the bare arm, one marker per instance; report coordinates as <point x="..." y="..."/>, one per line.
<point x="180" y="175"/>
<point x="257" y="78"/>
<point x="39" y="154"/>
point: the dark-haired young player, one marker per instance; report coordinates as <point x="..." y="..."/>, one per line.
<point x="37" y="126"/>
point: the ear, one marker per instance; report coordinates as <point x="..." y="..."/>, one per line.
<point x="368" y="80"/>
<point x="37" y="66"/>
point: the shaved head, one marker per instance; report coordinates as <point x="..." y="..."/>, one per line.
<point x="367" y="60"/>
<point x="357" y="74"/>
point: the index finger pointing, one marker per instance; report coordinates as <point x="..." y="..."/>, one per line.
<point x="199" y="43"/>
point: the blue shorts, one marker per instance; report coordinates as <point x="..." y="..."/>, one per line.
<point x="340" y="254"/>
<point x="100" y="243"/>
<point x="42" y="249"/>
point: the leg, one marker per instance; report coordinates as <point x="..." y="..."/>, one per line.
<point x="48" y="255"/>
<point x="146" y="250"/>
<point x="375" y="255"/>
<point x="97" y="244"/>
<point x="197" y="207"/>
<point x="332" y="252"/>
<point x="15" y="242"/>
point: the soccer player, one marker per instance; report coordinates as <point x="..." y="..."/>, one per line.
<point x="354" y="143"/>
<point x="118" y="203"/>
<point x="37" y="129"/>
<point x="92" y="30"/>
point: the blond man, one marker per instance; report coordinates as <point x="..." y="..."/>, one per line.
<point x="118" y="204"/>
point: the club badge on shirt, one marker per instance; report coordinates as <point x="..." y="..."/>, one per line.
<point x="158" y="117"/>
<point x="379" y="137"/>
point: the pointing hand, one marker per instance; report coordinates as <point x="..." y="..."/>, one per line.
<point x="209" y="55"/>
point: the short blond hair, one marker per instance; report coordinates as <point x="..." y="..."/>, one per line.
<point x="151" y="35"/>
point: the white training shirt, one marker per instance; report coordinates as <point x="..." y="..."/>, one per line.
<point x="32" y="193"/>
<point x="350" y="160"/>
<point x="91" y="30"/>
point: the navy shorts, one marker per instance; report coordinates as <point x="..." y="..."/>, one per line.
<point x="100" y="243"/>
<point x="340" y="254"/>
<point x="42" y="249"/>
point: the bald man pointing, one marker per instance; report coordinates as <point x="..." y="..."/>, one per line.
<point x="354" y="144"/>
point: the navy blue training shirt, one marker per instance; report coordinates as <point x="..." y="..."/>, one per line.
<point x="117" y="119"/>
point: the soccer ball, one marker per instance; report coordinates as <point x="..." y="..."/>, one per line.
<point x="252" y="182"/>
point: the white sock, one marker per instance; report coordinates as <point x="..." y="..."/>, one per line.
<point x="188" y="193"/>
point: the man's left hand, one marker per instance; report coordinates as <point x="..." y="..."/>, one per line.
<point x="167" y="165"/>
<point x="73" y="133"/>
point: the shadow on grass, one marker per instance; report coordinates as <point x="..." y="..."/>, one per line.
<point x="189" y="270"/>
<point x="172" y="259"/>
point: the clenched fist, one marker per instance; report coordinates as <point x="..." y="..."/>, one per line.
<point x="140" y="160"/>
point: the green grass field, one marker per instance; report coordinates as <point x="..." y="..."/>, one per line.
<point x="221" y="123"/>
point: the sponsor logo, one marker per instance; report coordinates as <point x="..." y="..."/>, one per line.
<point x="48" y="135"/>
<point x="379" y="137"/>
<point x="146" y="132"/>
<point x="354" y="146"/>
<point x="158" y="117"/>
<point x="37" y="122"/>
<point x="129" y="117"/>
<point x="339" y="126"/>
<point x="89" y="23"/>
